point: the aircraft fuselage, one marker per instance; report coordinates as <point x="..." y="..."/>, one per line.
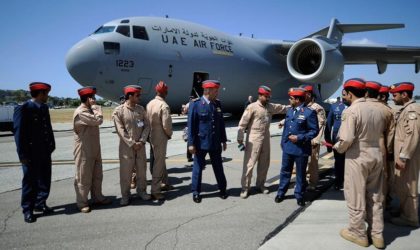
<point x="173" y="51"/>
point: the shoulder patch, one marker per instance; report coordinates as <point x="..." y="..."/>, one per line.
<point x="412" y="115"/>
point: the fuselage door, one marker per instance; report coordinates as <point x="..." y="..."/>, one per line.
<point x="197" y="89"/>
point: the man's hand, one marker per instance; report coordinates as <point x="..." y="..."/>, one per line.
<point x="96" y="108"/>
<point x="400" y="164"/>
<point x="240" y="142"/>
<point x="224" y="146"/>
<point x="293" y="138"/>
<point x="191" y="149"/>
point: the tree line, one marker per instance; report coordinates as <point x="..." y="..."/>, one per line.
<point x="19" y="96"/>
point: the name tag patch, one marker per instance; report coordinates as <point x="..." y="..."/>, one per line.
<point x="412" y="116"/>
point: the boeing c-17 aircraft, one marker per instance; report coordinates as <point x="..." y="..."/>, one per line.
<point x="145" y="50"/>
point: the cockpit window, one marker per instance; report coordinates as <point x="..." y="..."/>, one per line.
<point x="140" y="32"/>
<point x="124" y="30"/>
<point x="104" y="29"/>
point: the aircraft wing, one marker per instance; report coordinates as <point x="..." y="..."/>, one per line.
<point x="381" y="55"/>
<point x="321" y="56"/>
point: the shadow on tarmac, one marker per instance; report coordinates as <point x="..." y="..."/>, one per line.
<point x="392" y="232"/>
<point x="6" y="135"/>
<point x="179" y="170"/>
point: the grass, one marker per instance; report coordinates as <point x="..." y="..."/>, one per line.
<point x="66" y="115"/>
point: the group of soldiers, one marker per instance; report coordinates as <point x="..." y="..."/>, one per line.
<point x="378" y="146"/>
<point x="134" y="125"/>
<point x="376" y="151"/>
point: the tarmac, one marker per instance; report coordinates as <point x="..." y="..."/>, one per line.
<point x="318" y="225"/>
<point x="179" y="223"/>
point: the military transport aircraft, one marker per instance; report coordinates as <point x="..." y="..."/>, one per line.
<point x="145" y="50"/>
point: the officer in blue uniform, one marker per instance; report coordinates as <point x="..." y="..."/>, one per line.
<point x="34" y="143"/>
<point x="300" y="127"/>
<point x="333" y="125"/>
<point x="207" y="134"/>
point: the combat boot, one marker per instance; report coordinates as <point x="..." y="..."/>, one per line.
<point x="124" y="201"/>
<point x="158" y="197"/>
<point x="85" y="210"/>
<point x="244" y="193"/>
<point x="144" y="196"/>
<point x="378" y="242"/>
<point x="263" y="190"/>
<point x="346" y="234"/>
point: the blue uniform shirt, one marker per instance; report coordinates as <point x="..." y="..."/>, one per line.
<point x="206" y="127"/>
<point x="304" y="124"/>
<point x="33" y="132"/>
<point x="334" y="119"/>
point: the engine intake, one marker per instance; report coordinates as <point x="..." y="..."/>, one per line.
<point x="315" y="59"/>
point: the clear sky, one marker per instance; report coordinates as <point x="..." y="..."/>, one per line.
<point x="36" y="35"/>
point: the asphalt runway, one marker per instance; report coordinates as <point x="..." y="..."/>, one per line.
<point x="177" y="223"/>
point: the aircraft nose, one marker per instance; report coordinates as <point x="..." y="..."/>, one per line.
<point x="82" y="61"/>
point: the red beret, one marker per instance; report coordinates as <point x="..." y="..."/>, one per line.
<point x="297" y="92"/>
<point x="384" y="90"/>
<point x="161" y="87"/>
<point x="373" y="85"/>
<point x="39" y="86"/>
<point x="264" y="90"/>
<point x="355" y="83"/>
<point x="307" y="87"/>
<point x="89" y="90"/>
<point x="210" y="84"/>
<point x="401" y="87"/>
<point x="132" y="89"/>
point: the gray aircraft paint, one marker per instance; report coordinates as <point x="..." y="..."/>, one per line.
<point x="176" y="49"/>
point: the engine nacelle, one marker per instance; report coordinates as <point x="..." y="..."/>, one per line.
<point x="315" y="60"/>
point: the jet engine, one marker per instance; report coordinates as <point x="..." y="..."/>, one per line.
<point x="315" y="60"/>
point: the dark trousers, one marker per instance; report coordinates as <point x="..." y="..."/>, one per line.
<point x="339" y="160"/>
<point x="286" y="173"/>
<point x="36" y="183"/>
<point x="200" y="162"/>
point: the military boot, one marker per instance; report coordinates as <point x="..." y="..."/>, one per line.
<point x="346" y="234"/>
